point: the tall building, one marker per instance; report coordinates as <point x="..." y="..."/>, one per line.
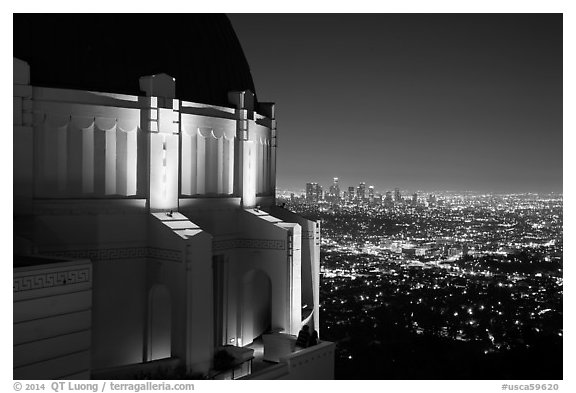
<point x="311" y="192"/>
<point x="361" y="192"/>
<point x="397" y="195"/>
<point x="415" y="199"/>
<point x="388" y="202"/>
<point x="146" y="234"/>
<point x="371" y="193"/>
<point x="335" y="191"/>
<point x="351" y="193"/>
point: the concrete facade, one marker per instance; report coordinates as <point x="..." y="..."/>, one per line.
<point x="52" y="318"/>
<point x="173" y="205"/>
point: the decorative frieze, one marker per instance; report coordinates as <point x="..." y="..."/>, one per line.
<point x="51" y="279"/>
<point x="249" y="243"/>
<point x="107" y="254"/>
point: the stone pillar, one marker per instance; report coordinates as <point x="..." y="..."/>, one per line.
<point x="268" y="109"/>
<point x="245" y="151"/>
<point x="161" y="122"/>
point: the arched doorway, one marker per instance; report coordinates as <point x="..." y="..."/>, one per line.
<point x="159" y="323"/>
<point x="256" y="305"/>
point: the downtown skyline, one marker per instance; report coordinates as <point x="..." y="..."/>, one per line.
<point x="462" y="102"/>
<point x="300" y="189"/>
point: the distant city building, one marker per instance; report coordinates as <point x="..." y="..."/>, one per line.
<point x="415" y="199"/>
<point x="385" y="243"/>
<point x="351" y="193"/>
<point x="335" y="190"/>
<point x="313" y="192"/>
<point x="361" y="192"/>
<point x="310" y="191"/>
<point x="420" y="251"/>
<point x="454" y="251"/>
<point x="397" y="195"/>
<point x="388" y="199"/>
<point x="334" y="195"/>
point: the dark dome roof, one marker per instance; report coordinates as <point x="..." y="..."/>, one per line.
<point x="110" y="52"/>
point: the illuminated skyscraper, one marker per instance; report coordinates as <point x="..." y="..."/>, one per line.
<point x="335" y="191"/>
<point x="351" y="193"/>
<point x="361" y="192"/>
<point x="397" y="195"/>
<point x="313" y="192"/>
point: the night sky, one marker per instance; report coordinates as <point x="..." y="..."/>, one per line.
<point x="421" y="102"/>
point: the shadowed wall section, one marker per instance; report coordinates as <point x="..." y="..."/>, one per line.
<point x="52" y="318"/>
<point x="160" y="323"/>
<point x="256" y="305"/>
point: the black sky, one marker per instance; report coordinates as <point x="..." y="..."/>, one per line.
<point x="420" y="102"/>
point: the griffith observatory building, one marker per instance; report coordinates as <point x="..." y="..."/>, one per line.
<point x="146" y="235"/>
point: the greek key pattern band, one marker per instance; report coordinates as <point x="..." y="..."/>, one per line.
<point x="249" y="243"/>
<point x="106" y="254"/>
<point x="51" y="279"/>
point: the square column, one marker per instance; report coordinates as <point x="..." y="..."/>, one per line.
<point x="161" y="121"/>
<point x="245" y="153"/>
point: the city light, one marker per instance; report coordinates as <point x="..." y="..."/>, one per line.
<point x="460" y="268"/>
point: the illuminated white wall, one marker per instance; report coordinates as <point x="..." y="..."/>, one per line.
<point x="207" y="156"/>
<point x="92" y="148"/>
<point x="249" y="173"/>
<point x="274" y="256"/>
<point x="294" y="276"/>
<point x="85" y="150"/>
<point x="260" y="136"/>
<point x="161" y="117"/>
<point x="187" y="277"/>
<point x="310" y="262"/>
<point x="163" y="171"/>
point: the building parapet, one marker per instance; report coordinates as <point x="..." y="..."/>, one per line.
<point x="316" y="362"/>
